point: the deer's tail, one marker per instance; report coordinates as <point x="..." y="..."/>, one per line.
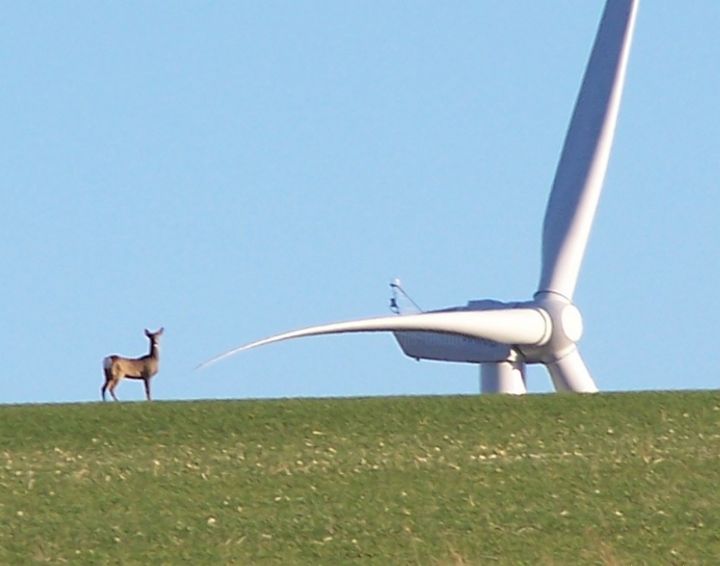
<point x="107" y="364"/>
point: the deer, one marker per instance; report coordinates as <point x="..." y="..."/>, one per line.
<point x="117" y="367"/>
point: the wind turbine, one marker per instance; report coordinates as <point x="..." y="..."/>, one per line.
<point x="504" y="337"/>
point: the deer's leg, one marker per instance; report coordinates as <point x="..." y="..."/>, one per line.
<point x="108" y="379"/>
<point x="146" y="380"/>
<point x="113" y="385"/>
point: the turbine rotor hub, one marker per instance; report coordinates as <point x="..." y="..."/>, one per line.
<point x="566" y="328"/>
<point x="571" y="322"/>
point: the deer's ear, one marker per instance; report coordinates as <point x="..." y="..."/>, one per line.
<point x="147" y="333"/>
<point x="160" y="330"/>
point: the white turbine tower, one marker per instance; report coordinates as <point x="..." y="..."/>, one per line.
<point x="504" y="337"/>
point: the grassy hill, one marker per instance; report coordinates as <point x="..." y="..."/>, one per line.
<point x="557" y="479"/>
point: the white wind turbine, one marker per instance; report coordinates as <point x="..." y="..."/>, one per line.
<point x="504" y="337"/>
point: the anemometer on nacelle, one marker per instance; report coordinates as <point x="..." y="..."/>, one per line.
<point x="400" y="301"/>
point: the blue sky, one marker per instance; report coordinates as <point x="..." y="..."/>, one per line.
<point x="230" y="170"/>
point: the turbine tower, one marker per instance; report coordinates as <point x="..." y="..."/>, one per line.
<point x="504" y="337"/>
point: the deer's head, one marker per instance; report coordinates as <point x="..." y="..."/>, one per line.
<point x="154" y="336"/>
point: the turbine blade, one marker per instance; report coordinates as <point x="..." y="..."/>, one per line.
<point x="583" y="162"/>
<point x="571" y="374"/>
<point x="521" y="326"/>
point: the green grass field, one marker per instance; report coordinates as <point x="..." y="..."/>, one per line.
<point x="542" y="479"/>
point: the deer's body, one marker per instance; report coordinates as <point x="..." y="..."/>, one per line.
<point x="117" y="367"/>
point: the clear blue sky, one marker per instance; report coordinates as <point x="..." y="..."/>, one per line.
<point x="230" y="170"/>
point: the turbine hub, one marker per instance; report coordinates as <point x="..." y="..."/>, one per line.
<point x="566" y="328"/>
<point x="571" y="322"/>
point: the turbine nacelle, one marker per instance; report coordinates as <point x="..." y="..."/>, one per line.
<point x="425" y="345"/>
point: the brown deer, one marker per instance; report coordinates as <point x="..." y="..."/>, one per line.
<point x="117" y="367"/>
